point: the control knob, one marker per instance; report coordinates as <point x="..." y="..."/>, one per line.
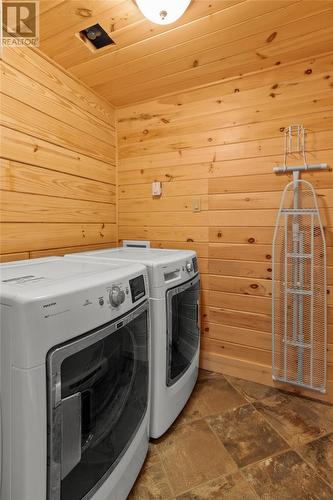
<point x="189" y="267"/>
<point x="116" y="296"/>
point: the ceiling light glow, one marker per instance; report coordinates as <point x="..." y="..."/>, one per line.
<point x="163" y="11"/>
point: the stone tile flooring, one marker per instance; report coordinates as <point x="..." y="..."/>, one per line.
<point x="241" y="441"/>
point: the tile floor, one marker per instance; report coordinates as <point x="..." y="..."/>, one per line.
<point x="242" y="441"/>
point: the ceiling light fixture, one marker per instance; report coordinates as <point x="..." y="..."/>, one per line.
<point x="163" y="11"/>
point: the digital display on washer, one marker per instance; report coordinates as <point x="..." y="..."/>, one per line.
<point x="137" y="286"/>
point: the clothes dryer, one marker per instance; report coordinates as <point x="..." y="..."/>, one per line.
<point x="174" y="285"/>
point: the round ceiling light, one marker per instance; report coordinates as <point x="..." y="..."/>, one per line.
<point x="163" y="11"/>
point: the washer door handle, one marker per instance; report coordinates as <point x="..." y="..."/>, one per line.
<point x="198" y="314"/>
<point x="71" y="433"/>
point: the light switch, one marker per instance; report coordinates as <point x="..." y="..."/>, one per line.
<point x="196" y="205"/>
<point x="156" y="188"/>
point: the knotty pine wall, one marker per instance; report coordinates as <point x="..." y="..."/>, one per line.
<point x="218" y="145"/>
<point x="58" y="178"/>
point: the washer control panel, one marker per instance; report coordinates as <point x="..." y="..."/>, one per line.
<point x="138" y="289"/>
<point x="122" y="295"/>
<point x="116" y="296"/>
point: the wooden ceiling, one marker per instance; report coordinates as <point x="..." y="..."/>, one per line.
<point x="214" y="40"/>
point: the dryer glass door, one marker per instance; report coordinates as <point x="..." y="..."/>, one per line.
<point x="183" y="332"/>
<point x="98" y="397"/>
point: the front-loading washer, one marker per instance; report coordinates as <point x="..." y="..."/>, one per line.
<point x="174" y="286"/>
<point x="74" y="385"/>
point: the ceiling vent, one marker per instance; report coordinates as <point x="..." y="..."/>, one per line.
<point x="95" y="37"/>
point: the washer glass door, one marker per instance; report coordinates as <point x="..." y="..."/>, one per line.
<point x="98" y="396"/>
<point x="183" y="332"/>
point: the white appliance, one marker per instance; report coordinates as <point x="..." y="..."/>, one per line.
<point x="174" y="304"/>
<point x="74" y="379"/>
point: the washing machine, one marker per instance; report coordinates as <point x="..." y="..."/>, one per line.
<point x="74" y="383"/>
<point x="174" y="285"/>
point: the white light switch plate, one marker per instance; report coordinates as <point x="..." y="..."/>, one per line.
<point x="156" y="188"/>
<point x="196" y="205"/>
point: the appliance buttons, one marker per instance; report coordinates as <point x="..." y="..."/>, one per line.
<point x="101" y="301"/>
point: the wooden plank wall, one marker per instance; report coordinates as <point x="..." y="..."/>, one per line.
<point x="217" y="145"/>
<point x="58" y="177"/>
